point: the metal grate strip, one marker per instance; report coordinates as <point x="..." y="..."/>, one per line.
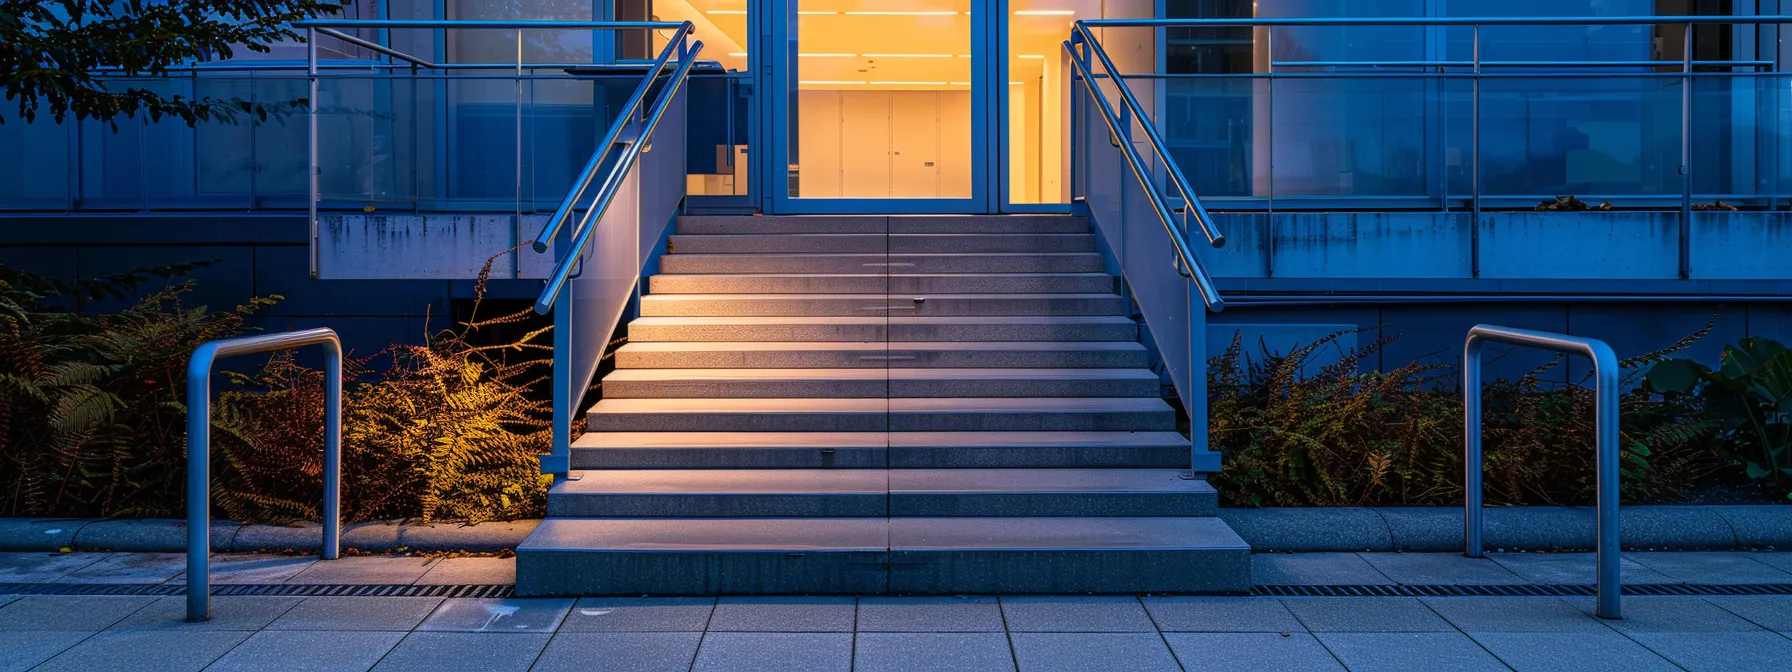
<point x="1516" y="590"/>
<point x="294" y="590"/>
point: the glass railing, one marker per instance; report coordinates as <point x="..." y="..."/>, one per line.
<point x="1508" y="111"/>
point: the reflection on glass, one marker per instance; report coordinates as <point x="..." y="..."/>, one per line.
<point x="717" y="132"/>
<point x="881" y="106"/>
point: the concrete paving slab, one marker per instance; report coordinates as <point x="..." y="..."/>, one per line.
<point x="929" y="614"/>
<point x="774" y="652"/>
<point x="1075" y="613"/>
<point x="1592" y="651"/>
<point x="228" y="612"/>
<point x="1714" y="567"/>
<point x="1314" y="569"/>
<point x="294" y="651"/>
<point x="1365" y="614"/>
<point x="35" y="567"/>
<point x="1513" y="614"/>
<point x="253" y="568"/>
<point x="22" y="650"/>
<point x="146" y="650"/>
<point x="465" y="571"/>
<point x="1092" y="652"/>
<point x="1430" y="569"/>
<point x="639" y="614"/>
<point x="390" y="614"/>
<point x="1315" y="529"/>
<point x="958" y="651"/>
<point x="488" y="537"/>
<point x="1220" y="614"/>
<point x="365" y="570"/>
<point x="69" y="612"/>
<point x="632" y="651"/>
<point x="1409" y="652"/>
<point x="150" y="568"/>
<point x="1780" y="560"/>
<point x="1251" y="652"/>
<point x="1721" y="651"/>
<point x="497" y="615"/>
<point x="783" y="614"/>
<point x="1669" y="614"/>
<point x="1772" y="612"/>
<point x="1579" y="569"/>
<point x="1758" y="525"/>
<point x="465" y="652"/>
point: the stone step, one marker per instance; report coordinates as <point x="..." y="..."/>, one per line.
<point x="879" y="355"/>
<point x="989" y="328"/>
<point x="947" y="555"/>
<point x="895" y="264"/>
<point x="862" y="283"/>
<point x="877" y="383"/>
<point x="772" y="305"/>
<point x="755" y="224"/>
<point x="864" y="450"/>
<point x="879" y="243"/>
<point x="824" y="493"/>
<point x="962" y="414"/>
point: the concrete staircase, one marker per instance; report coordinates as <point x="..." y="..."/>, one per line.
<point x="862" y="405"/>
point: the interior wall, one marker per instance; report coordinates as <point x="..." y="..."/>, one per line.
<point x="878" y="144"/>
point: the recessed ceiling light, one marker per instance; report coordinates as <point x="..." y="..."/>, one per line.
<point x="737" y="53"/>
<point x="828" y="55"/>
<point x="959" y="83"/>
<point x="1045" y="12"/>
<point x="908" y="55"/>
<point x="896" y="83"/>
<point x="827" y="81"/>
<point x="903" y="13"/>
<point x="816" y="13"/>
<point x="1031" y="56"/>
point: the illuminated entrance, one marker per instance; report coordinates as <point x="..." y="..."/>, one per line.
<point x="893" y="106"/>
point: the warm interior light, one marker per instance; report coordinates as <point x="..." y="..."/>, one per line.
<point x="1045" y="12"/>
<point x="899" y="83"/>
<point x="816" y="13"/>
<point x="908" y="55"/>
<point x="828" y="55"/>
<point x="825" y="82"/>
<point x="726" y="11"/>
<point x="903" y="13"/>
<point x="1031" y="56"/>
<point x="737" y="53"/>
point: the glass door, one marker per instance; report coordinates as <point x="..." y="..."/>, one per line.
<point x="883" y="106"/>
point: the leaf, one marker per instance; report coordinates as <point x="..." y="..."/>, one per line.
<point x="1756" y="472"/>
<point x="1680" y="376"/>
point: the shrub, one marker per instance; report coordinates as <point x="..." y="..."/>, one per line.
<point x="1751" y="390"/>
<point x="1341" y="436"/>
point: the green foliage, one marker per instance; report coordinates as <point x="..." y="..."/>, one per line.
<point x="50" y="51"/>
<point x="1751" y="390"/>
<point x="1294" y="433"/>
<point x="92" y="415"/>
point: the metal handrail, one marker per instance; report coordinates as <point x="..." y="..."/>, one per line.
<point x="1605" y="420"/>
<point x="589" y="172"/>
<point x="607" y="193"/>
<point x="199" y="426"/>
<point x="1158" y="146"/>
<point x="1196" y="272"/>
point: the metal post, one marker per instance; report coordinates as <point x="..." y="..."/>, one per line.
<point x="1269" y="224"/>
<point x="1605" y="390"/>
<point x="1686" y="153"/>
<point x="516" y="261"/>
<point x="1474" y="222"/>
<point x="559" y="460"/>
<point x="199" y="388"/>
<point x="311" y="139"/>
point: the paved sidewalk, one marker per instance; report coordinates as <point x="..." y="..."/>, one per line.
<point x="1082" y="633"/>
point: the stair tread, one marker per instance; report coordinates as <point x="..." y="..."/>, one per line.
<point x="853" y="319"/>
<point x="893" y="405"/>
<point x="734" y="535"/>
<point x="879" y="481"/>
<point x="748" y="440"/>
<point x="869" y="297"/>
<point x="715" y="374"/>
<point x="877" y="346"/>
<point x="1029" y="274"/>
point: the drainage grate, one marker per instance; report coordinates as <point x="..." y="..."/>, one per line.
<point x="1518" y="590"/>
<point x="297" y="589"/>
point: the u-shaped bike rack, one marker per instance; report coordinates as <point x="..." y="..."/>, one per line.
<point x="1605" y="392"/>
<point x="199" y="454"/>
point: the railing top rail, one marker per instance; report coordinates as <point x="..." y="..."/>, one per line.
<point x="1591" y="347"/>
<point x="1438" y="21"/>
<point x="1184" y="252"/>
<point x="479" y="25"/>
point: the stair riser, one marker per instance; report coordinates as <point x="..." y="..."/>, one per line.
<point x="880" y="263"/>
<point x="765" y="225"/>
<point x="701" y="572"/>
<point x="844" y="359"/>
<point x="920" y="572"/>
<point x="944" y="421"/>
<point x="881" y="332"/>
<point x="897" y="457"/>
<point x="761" y="306"/>
<point x="874" y="505"/>
<point x="877" y="284"/>
<point x="875" y="389"/>
<point x="881" y="244"/>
